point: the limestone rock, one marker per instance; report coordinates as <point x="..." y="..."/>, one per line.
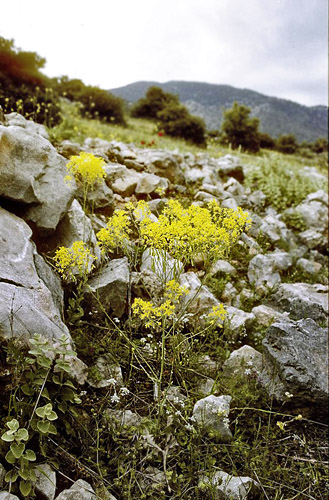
<point x="211" y="414"/>
<point x="107" y="370"/>
<point x="228" y="487"/>
<point x="149" y="183"/>
<point x="46" y="481"/>
<point x="15" y="119"/>
<point x="26" y="304"/>
<point x="80" y="490"/>
<point x="302" y="300"/>
<point x="243" y="361"/>
<point x="263" y="270"/>
<point x="109" y="287"/>
<point x="296" y="362"/>
<point x="222" y="267"/>
<point x="5" y="495"/>
<point x="164" y="266"/>
<point x="237" y="322"/>
<point x="199" y="300"/>
<point x="32" y="174"/>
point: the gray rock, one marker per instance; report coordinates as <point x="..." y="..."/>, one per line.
<point x="228" y="487"/>
<point x="80" y="490"/>
<point x="229" y="203"/>
<point x="228" y="166"/>
<point x="146" y="283"/>
<point x="109" y="287"/>
<point x="26" y="304"/>
<point x="229" y="293"/>
<point x="243" y="361"/>
<point x="149" y="183"/>
<point x="68" y="148"/>
<point x="211" y="414"/>
<point x="314" y="214"/>
<point x="100" y="197"/>
<point x="311" y="238"/>
<point x="234" y="187"/>
<point x="5" y="495"/>
<point x="15" y="119"/>
<point x="296" y="362"/>
<point x="274" y="229"/>
<point x="199" y="301"/>
<point x="153" y="480"/>
<point x="302" y="300"/>
<point x="205" y="386"/>
<point x="107" y="370"/>
<point x="165" y="267"/>
<point x="263" y="270"/>
<point x="222" y="267"/>
<point x="46" y="481"/>
<point x="32" y="174"/>
<point x="163" y="163"/>
<point x="266" y="315"/>
<point x="237" y="322"/>
<point x="308" y="266"/>
<point x="126" y="185"/>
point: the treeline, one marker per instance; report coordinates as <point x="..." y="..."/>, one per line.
<point x="26" y="90"/>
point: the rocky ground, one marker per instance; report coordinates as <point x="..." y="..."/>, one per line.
<point x="274" y="285"/>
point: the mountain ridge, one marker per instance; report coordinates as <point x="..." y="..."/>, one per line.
<point x="207" y="100"/>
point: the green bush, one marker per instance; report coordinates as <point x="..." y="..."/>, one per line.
<point x="176" y="121"/>
<point x="241" y="130"/>
<point x="266" y="141"/>
<point x="23" y="89"/>
<point x="96" y="102"/>
<point x="286" y="144"/>
<point x="154" y="101"/>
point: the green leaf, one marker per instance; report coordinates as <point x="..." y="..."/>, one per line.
<point x="45" y="394"/>
<point x="30" y="455"/>
<point x="27" y="390"/>
<point x="32" y="475"/>
<point x="25" y="488"/>
<point x="68" y="394"/>
<point x="52" y="416"/>
<point x="24" y="473"/>
<point x="56" y="379"/>
<point x="17" y="449"/>
<point x="62" y="407"/>
<point x="10" y="457"/>
<point x="13" y="424"/>
<point x="41" y="412"/>
<point x="68" y="383"/>
<point x="43" y="427"/>
<point x="8" y="436"/>
<point x="11" y="476"/>
<point x="52" y="429"/>
<point x="22" y="435"/>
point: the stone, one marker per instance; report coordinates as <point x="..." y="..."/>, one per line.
<point x="221" y="267"/>
<point x="153" y="480"/>
<point x="265" y="315"/>
<point x="229" y="293"/>
<point x="296" y="363"/>
<point x="263" y="270"/>
<point x="229" y="203"/>
<point x="126" y="185"/>
<point x="146" y="283"/>
<point x="26" y="304"/>
<point x="311" y="238"/>
<point x="108" y="289"/>
<point x="274" y="229"/>
<point x="5" y="495"/>
<point x="207" y="366"/>
<point x="228" y="487"/>
<point x="199" y="301"/>
<point x="165" y="267"/>
<point x="107" y="371"/>
<point x="237" y="322"/>
<point x="161" y="162"/>
<point x="75" y="226"/>
<point x="243" y="361"/>
<point x="205" y="386"/>
<point x="314" y="214"/>
<point x="32" y="175"/>
<point x="100" y="198"/>
<point x="80" y="490"/>
<point x="46" y="481"/>
<point x="2" y="475"/>
<point x="150" y="183"/>
<point x="228" y="166"/>
<point x="233" y="187"/>
<point x="302" y="300"/>
<point x="211" y="414"/>
<point x="175" y="396"/>
<point x="308" y="266"/>
<point x="15" y="119"/>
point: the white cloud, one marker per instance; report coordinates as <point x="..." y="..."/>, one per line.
<point x="277" y="47"/>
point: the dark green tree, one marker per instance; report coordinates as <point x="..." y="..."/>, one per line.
<point x="176" y="121"/>
<point x="154" y="101"/>
<point x="286" y="144"/>
<point x="239" y="129"/>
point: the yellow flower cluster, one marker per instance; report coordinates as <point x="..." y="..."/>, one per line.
<point x="217" y="315"/>
<point x="154" y="315"/>
<point x="77" y="259"/>
<point x="86" y="168"/>
<point x="185" y="233"/>
<point x="116" y="233"/>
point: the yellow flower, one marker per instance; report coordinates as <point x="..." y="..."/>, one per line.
<point x="86" y="168"/>
<point x="77" y="259"/>
<point x="217" y="315"/>
<point x="116" y="233"/>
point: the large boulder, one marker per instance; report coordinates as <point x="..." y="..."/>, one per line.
<point x="302" y="300"/>
<point x="32" y="175"/>
<point x="80" y="490"/>
<point x="296" y="365"/>
<point x="211" y="414"/>
<point x="27" y="305"/>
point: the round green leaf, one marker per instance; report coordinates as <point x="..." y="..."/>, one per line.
<point x="8" y="436"/>
<point x="43" y="427"/>
<point x="10" y="457"/>
<point x="13" y="424"/>
<point x="22" y="435"/>
<point x="17" y="449"/>
<point x="30" y="455"/>
<point x="25" y="488"/>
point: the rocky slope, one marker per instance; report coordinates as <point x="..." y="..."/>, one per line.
<point x="40" y="212"/>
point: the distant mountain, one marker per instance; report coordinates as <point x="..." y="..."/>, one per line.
<point x="277" y="116"/>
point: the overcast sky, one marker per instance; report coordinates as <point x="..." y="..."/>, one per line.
<point x="276" y="47"/>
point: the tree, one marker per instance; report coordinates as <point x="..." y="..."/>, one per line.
<point x="286" y="144"/>
<point x="154" y="101"/>
<point x="239" y="129"/>
<point x="176" y="121"/>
